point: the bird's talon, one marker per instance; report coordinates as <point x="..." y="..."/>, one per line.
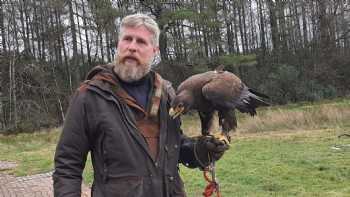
<point x="223" y="137"/>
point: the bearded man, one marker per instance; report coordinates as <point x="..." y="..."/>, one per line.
<point x="120" y="115"/>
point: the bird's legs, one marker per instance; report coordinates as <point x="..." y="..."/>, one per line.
<point x="228" y="123"/>
<point x="207" y="120"/>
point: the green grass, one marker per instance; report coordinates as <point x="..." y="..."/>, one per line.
<point x="290" y="152"/>
<point x="32" y="152"/>
<point x="297" y="164"/>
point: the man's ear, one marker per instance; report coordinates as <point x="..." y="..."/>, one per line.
<point x="156" y="50"/>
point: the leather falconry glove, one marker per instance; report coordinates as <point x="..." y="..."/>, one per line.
<point x="209" y="148"/>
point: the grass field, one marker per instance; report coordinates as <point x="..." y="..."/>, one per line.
<point x="301" y="163"/>
<point x="289" y="150"/>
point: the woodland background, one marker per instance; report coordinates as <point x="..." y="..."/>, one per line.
<point x="292" y="50"/>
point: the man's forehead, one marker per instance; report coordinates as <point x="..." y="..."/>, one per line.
<point x="139" y="31"/>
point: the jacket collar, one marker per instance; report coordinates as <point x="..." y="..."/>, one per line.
<point x="104" y="78"/>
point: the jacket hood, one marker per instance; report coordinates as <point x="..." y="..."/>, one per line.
<point x="104" y="70"/>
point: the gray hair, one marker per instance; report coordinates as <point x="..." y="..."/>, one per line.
<point x="136" y="20"/>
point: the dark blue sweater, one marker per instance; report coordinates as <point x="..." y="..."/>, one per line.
<point x="139" y="90"/>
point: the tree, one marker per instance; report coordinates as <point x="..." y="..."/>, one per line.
<point x="48" y="46"/>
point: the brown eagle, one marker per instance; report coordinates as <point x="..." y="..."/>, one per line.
<point x="220" y="91"/>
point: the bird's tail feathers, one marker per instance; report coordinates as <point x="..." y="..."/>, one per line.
<point x="258" y="93"/>
<point x="250" y="100"/>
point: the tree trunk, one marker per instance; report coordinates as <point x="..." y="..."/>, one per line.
<point x="87" y="41"/>
<point x="28" y="25"/>
<point x="244" y="27"/>
<point x="283" y="27"/>
<point x="163" y="45"/>
<point x="2" y="28"/>
<point x="325" y="40"/>
<point x="31" y="21"/>
<point x="13" y="24"/>
<point x="101" y="44"/>
<point x="79" y="33"/>
<point x="58" y="36"/>
<point x="344" y="29"/>
<point x="296" y="15"/>
<point x="13" y="116"/>
<point x="273" y="24"/>
<point x="253" y="41"/>
<point x="57" y="87"/>
<point x="230" y="43"/>
<point x="43" y="23"/>
<point x="21" y="7"/>
<point x="36" y="31"/>
<point x="262" y="28"/>
<point x="74" y="42"/>
<point x="305" y="33"/>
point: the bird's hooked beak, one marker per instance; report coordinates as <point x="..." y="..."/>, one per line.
<point x="175" y="112"/>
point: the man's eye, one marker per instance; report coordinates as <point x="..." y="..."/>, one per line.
<point x="127" y="38"/>
<point x="140" y="41"/>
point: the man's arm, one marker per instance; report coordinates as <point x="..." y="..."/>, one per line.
<point x="71" y="151"/>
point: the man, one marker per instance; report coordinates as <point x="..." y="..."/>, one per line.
<point x="120" y="114"/>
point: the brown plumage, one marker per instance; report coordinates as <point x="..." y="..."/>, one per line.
<point x="212" y="91"/>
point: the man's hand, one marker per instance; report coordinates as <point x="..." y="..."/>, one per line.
<point x="208" y="149"/>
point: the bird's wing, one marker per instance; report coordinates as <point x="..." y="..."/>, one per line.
<point x="223" y="89"/>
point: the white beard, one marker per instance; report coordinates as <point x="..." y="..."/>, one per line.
<point x="131" y="73"/>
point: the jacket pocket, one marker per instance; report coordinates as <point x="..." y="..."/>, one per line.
<point x="131" y="186"/>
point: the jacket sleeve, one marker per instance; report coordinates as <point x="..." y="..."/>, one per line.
<point x="71" y="150"/>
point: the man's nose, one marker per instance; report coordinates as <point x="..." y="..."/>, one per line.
<point x="132" y="46"/>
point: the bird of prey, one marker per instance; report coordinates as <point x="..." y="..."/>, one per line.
<point x="220" y="91"/>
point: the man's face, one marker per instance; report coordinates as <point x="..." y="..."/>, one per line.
<point x="135" y="53"/>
